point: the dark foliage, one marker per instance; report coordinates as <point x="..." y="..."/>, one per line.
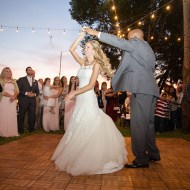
<point x="169" y="53"/>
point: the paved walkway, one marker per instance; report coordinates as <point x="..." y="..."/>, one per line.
<point x="25" y="165"/>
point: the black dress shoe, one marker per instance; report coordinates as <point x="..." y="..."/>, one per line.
<point x="134" y="165"/>
<point x="154" y="159"/>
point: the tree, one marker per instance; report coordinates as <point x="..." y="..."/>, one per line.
<point x="186" y="64"/>
<point x="169" y="53"/>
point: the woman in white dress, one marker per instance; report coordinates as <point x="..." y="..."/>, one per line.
<point x="92" y="144"/>
<point x="50" y="102"/>
<point x="50" y="121"/>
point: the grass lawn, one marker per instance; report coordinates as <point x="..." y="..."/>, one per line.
<point x="125" y="132"/>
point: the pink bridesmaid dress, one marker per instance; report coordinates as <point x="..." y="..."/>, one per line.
<point x="8" y="114"/>
<point x="69" y="109"/>
<point x="50" y="121"/>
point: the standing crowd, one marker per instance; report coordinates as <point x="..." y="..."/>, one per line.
<point x="40" y="104"/>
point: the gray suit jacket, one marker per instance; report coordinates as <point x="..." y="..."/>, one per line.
<point x="135" y="72"/>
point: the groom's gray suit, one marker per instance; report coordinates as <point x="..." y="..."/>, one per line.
<point x="135" y="74"/>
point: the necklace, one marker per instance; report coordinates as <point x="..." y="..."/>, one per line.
<point x="8" y="80"/>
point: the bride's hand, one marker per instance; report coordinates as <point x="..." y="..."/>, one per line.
<point x="82" y="34"/>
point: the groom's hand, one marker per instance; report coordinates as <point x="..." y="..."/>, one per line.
<point x="91" y="31"/>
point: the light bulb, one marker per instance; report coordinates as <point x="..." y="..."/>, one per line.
<point x="168" y="7"/>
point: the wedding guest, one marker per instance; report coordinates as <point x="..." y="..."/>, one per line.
<point x="77" y="81"/>
<point x="98" y="95"/>
<point x="61" y="99"/>
<point x="50" y="102"/>
<point x="179" y="94"/>
<point x="173" y="110"/>
<point x="28" y="91"/>
<point x="162" y="114"/>
<point x="103" y="92"/>
<point x="37" y="103"/>
<point x="69" y="105"/>
<point x="8" y="97"/>
<point x="38" y="124"/>
<point x="111" y="98"/>
<point x="51" y="121"/>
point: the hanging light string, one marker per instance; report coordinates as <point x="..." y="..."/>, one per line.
<point x="33" y="29"/>
<point x="119" y="31"/>
<point x="117" y="20"/>
<point x="116" y="17"/>
<point x="152" y="13"/>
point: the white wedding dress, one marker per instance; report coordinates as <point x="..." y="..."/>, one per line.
<point x="92" y="143"/>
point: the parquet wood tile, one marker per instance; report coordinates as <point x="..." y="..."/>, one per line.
<point x="26" y="164"/>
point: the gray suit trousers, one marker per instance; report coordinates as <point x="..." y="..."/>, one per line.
<point x="142" y="128"/>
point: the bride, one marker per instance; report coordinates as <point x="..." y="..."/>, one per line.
<point x="92" y="144"/>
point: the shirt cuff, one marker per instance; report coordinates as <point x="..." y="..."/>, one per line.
<point x="99" y="34"/>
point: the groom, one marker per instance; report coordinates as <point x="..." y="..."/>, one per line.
<point x="135" y="75"/>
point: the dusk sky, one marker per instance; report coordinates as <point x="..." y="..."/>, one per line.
<point x="39" y="49"/>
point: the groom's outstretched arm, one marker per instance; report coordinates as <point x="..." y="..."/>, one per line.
<point x="113" y="40"/>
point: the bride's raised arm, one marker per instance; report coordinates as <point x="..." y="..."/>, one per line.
<point x="73" y="47"/>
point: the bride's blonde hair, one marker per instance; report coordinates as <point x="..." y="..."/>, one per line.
<point x="101" y="58"/>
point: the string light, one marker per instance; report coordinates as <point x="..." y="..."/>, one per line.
<point x="152" y="16"/>
<point x="117" y="24"/>
<point x="33" y="30"/>
<point x="168" y="7"/>
<point x="139" y="23"/>
<point x="116" y="18"/>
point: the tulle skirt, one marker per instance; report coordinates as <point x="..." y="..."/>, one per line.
<point x="92" y="143"/>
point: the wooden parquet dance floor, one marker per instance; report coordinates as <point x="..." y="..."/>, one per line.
<point x="25" y="165"/>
